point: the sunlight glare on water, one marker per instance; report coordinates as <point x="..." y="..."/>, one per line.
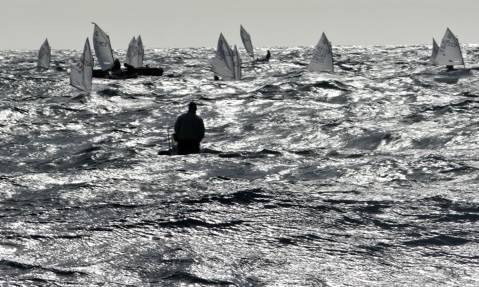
<point x="367" y="177"/>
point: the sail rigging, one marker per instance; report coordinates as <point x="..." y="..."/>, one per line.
<point x="81" y="72"/>
<point x="102" y="46"/>
<point x="322" y="60"/>
<point x="248" y="44"/>
<point x="135" y="52"/>
<point x="225" y="52"/>
<point x="141" y="51"/>
<point x="223" y="63"/>
<point x="435" y="50"/>
<point x="132" y="54"/>
<point x="449" y="52"/>
<point x="44" y="55"/>
<point x="237" y="64"/>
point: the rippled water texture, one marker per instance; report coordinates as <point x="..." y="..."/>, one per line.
<point x="368" y="177"/>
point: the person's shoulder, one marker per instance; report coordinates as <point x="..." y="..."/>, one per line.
<point x="180" y="117"/>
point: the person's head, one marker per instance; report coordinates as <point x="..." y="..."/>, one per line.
<point x="192" y="107"/>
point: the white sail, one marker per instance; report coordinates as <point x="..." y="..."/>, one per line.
<point x="237" y="64"/>
<point x="76" y="76"/>
<point x="132" y="55"/>
<point x="141" y="51"/>
<point x="102" y="45"/>
<point x="221" y="70"/>
<point x="450" y="50"/>
<point x="81" y="72"/>
<point x="322" y="56"/>
<point x="435" y="50"/>
<point x="246" y="38"/>
<point x="88" y="63"/>
<point x="44" y="55"/>
<point x="224" y="51"/>
<point x="222" y="63"/>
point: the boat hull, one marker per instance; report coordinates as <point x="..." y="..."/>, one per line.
<point x="147" y="71"/>
<point x="114" y="76"/>
<point x="142" y="71"/>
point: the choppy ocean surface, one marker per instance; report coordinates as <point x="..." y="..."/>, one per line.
<point x="368" y="177"/>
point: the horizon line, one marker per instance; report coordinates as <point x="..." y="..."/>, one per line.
<point x="241" y="47"/>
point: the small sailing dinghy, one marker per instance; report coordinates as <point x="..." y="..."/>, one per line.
<point x="449" y="54"/>
<point x="248" y="45"/>
<point x="81" y="73"/>
<point x="104" y="55"/>
<point x="44" y="56"/>
<point x="227" y="63"/>
<point x="134" y="59"/>
<point x="322" y="60"/>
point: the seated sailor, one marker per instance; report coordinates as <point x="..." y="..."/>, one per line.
<point x="265" y="58"/>
<point x="116" y="68"/>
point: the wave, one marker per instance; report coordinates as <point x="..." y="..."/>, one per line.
<point x="189" y="278"/>
<point x="195" y="223"/>
<point x="22" y="266"/>
<point x="242" y="197"/>
<point x="439" y="240"/>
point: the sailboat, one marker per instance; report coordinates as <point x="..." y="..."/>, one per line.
<point x="322" y="60"/>
<point x="104" y="55"/>
<point x="134" y="58"/>
<point x="81" y="73"/>
<point x="227" y="63"/>
<point x="449" y="53"/>
<point x="44" y="55"/>
<point x="248" y="45"/>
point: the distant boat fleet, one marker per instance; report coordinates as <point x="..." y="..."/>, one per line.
<point x="226" y="64"/>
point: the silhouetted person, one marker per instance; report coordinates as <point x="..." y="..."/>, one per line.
<point x="189" y="131"/>
<point x="449" y="68"/>
<point x="129" y="68"/>
<point x="116" y="68"/>
<point x="265" y="58"/>
<point x="268" y="56"/>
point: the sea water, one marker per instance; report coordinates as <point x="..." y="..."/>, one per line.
<point x="364" y="177"/>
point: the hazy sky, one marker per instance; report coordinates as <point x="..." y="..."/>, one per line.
<point x="193" y="23"/>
